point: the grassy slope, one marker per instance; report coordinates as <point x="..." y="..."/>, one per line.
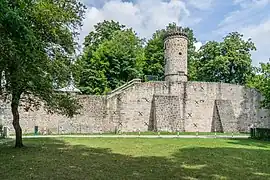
<point x="98" y="158"/>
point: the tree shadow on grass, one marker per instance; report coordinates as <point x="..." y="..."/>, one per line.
<point x="55" y="159"/>
<point x="250" y="142"/>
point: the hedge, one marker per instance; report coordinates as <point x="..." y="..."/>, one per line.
<point x="260" y="133"/>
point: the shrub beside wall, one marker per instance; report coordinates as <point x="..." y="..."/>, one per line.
<point x="260" y="133"/>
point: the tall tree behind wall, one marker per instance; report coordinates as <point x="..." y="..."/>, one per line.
<point x="112" y="56"/>
<point x="102" y="31"/>
<point x="228" y="61"/>
<point x="90" y="75"/>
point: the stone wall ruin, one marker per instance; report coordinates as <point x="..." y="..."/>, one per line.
<point x="157" y="106"/>
<point x="171" y="105"/>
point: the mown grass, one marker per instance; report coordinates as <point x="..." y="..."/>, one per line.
<point x="154" y="133"/>
<point x="119" y="158"/>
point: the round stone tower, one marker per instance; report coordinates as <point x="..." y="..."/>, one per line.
<point x="175" y="47"/>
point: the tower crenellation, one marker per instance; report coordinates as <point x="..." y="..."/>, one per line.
<point x="175" y="55"/>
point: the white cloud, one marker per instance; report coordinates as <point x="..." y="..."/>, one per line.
<point x="198" y="45"/>
<point x="260" y="36"/>
<point x="238" y="1"/>
<point x="145" y="17"/>
<point x="249" y="13"/>
<point x="250" y="3"/>
<point x="94" y="3"/>
<point x="252" y="20"/>
<point x="201" y="4"/>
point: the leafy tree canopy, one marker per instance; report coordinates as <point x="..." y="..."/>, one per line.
<point x="228" y="61"/>
<point x="116" y="60"/>
<point x="37" y="41"/>
<point x="102" y="31"/>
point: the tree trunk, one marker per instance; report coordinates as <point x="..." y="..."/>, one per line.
<point x="16" y="119"/>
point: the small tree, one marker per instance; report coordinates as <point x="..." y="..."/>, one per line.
<point x="37" y="45"/>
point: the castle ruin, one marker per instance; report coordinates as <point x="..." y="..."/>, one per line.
<point x="175" y="104"/>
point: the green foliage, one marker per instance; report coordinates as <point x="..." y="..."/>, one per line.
<point x="228" y="61"/>
<point x="260" y="133"/>
<point x="118" y="58"/>
<point x="260" y="80"/>
<point x="92" y="79"/>
<point x="154" y="52"/>
<point x="37" y="38"/>
<point x="103" y="31"/>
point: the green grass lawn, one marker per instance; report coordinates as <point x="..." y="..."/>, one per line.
<point x="156" y="133"/>
<point x="142" y="159"/>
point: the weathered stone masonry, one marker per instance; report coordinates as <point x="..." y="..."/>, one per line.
<point x="171" y="105"/>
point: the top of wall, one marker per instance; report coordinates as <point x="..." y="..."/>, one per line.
<point x="162" y="87"/>
<point x="221" y="84"/>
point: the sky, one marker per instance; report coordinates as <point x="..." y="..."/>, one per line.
<point x="209" y="19"/>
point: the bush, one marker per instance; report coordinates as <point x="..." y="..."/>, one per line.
<point x="260" y="133"/>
